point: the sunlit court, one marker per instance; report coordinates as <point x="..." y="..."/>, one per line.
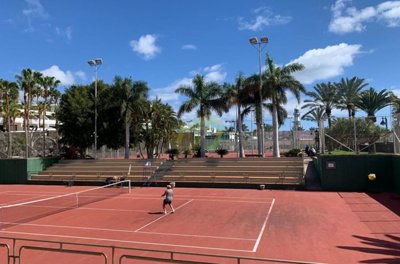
<point x="123" y="225"/>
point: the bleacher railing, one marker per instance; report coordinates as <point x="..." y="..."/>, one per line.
<point x="15" y="248"/>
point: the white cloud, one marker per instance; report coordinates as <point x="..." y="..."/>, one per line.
<point x="189" y="47"/>
<point x="81" y="75"/>
<point x="214" y="73"/>
<point x="389" y="12"/>
<point x="35" y="9"/>
<point x="67" y="32"/>
<point x="263" y="18"/>
<point x="65" y="77"/>
<point x="396" y="91"/>
<point x="146" y="46"/>
<point x="325" y="63"/>
<point x="346" y="19"/>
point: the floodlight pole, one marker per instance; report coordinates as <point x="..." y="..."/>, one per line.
<point x="96" y="64"/>
<point x="259" y="44"/>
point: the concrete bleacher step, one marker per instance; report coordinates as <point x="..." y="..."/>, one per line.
<point x="282" y="171"/>
<point x="96" y="170"/>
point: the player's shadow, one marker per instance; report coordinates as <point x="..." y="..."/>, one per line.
<point x="156" y="213"/>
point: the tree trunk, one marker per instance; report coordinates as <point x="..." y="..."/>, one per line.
<point x="26" y="124"/>
<point x="9" y="149"/>
<point x="127" y="136"/>
<point x="44" y="132"/>
<point x="275" y="131"/>
<point x="240" y="131"/>
<point x="259" y="128"/>
<point x="9" y="153"/>
<point x="202" y="137"/>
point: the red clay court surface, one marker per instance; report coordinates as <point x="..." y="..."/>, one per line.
<point x="293" y="226"/>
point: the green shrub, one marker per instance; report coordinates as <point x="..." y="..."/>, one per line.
<point x="172" y="153"/>
<point x="222" y="152"/>
<point x="293" y="153"/>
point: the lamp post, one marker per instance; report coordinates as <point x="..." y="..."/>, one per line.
<point x="259" y="44"/>
<point x="296" y="124"/>
<point x="96" y="64"/>
<point x="353" y="115"/>
<point x="384" y="122"/>
<point x="233" y="122"/>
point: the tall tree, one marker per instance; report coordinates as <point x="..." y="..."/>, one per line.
<point x="48" y="84"/>
<point x="75" y="114"/>
<point x="28" y="83"/>
<point x="207" y="96"/>
<point x="9" y="96"/>
<point x="133" y="96"/>
<point x="349" y="91"/>
<point x="278" y="81"/>
<point x="251" y="100"/>
<point x="236" y="96"/>
<point x="370" y="101"/>
<point x="316" y="114"/>
<point x="159" y="126"/>
<point x="324" y="95"/>
<point x="55" y="96"/>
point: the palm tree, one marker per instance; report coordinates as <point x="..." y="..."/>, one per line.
<point x="133" y="95"/>
<point x="279" y="80"/>
<point x="396" y="104"/>
<point x="251" y="97"/>
<point x="48" y="85"/>
<point x="9" y="93"/>
<point x="349" y="91"/>
<point x="318" y="114"/>
<point x="28" y="83"/>
<point x="282" y="113"/>
<point x="55" y="96"/>
<point x="160" y="125"/>
<point x="207" y="96"/>
<point x="371" y="102"/>
<point x="235" y="95"/>
<point x="324" y="95"/>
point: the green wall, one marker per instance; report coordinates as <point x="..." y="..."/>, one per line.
<point x="350" y="172"/>
<point x="20" y="170"/>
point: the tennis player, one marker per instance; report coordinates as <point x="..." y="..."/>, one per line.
<point x="169" y="195"/>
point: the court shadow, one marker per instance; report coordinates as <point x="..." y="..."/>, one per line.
<point x="156" y="213"/>
<point x="389" y="200"/>
<point x="389" y="247"/>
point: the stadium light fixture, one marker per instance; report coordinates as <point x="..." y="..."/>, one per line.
<point x="96" y="64"/>
<point x="259" y="45"/>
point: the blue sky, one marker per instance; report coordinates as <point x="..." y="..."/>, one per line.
<point x="166" y="43"/>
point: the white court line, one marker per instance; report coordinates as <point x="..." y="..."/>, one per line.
<point x="207" y="196"/>
<point x="137" y="230"/>
<point x="123" y="231"/>
<point x="183" y="235"/>
<point x="263" y="227"/>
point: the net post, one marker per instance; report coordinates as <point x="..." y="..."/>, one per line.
<point x="129" y="186"/>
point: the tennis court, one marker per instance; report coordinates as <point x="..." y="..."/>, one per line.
<point x="281" y="226"/>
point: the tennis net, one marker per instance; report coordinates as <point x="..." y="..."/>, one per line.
<point x="32" y="210"/>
